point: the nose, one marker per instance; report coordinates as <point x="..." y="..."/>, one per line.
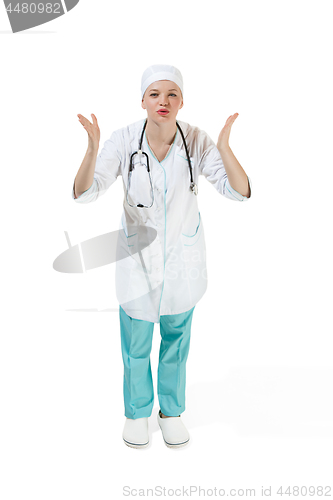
<point x="163" y="100"/>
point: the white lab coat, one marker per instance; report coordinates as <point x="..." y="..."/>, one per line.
<point x="169" y="276"/>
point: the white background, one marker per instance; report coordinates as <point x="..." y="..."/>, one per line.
<point x="259" y="373"/>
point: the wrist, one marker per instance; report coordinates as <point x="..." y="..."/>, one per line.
<point x="223" y="146"/>
<point x="92" y="149"/>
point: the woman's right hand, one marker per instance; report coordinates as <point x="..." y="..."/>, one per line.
<point x="92" y="130"/>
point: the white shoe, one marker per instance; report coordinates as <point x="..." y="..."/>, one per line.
<point x="135" y="433"/>
<point x="174" y="431"/>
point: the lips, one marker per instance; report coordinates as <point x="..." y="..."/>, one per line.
<point x="163" y="112"/>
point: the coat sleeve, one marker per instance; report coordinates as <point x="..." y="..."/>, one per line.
<point x="107" y="169"/>
<point x="211" y="166"/>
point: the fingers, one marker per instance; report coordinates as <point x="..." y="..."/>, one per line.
<point x="231" y="119"/>
<point x="86" y="123"/>
<point x="83" y="120"/>
<point x="94" y="119"/>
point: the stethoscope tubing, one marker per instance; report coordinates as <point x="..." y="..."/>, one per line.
<point x="193" y="186"/>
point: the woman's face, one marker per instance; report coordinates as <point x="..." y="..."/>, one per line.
<point x="162" y="95"/>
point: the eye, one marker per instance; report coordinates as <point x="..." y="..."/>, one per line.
<point x="152" y="95"/>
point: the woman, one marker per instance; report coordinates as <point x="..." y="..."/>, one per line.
<point x="161" y="264"/>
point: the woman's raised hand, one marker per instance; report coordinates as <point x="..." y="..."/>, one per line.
<point x="92" y="130"/>
<point x="223" y="139"/>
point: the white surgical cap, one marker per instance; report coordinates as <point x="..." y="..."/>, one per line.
<point x="160" y="72"/>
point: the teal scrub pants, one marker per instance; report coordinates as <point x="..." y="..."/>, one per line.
<point x="136" y="343"/>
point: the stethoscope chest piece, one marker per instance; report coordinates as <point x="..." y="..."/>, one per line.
<point x="194" y="188"/>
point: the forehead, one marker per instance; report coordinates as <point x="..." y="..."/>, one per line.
<point x="163" y="84"/>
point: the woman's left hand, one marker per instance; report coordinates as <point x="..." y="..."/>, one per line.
<point x="223" y="140"/>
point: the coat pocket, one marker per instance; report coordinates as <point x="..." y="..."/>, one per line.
<point x="129" y="234"/>
<point x="191" y="239"/>
<point x="193" y="258"/>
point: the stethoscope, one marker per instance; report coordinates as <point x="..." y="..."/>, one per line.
<point x="193" y="186"/>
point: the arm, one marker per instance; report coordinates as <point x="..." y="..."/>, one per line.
<point x="212" y="167"/>
<point x="85" y="176"/>
<point x="236" y="175"/>
<point x="97" y="172"/>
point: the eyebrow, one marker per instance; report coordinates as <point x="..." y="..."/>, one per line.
<point x="168" y="90"/>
